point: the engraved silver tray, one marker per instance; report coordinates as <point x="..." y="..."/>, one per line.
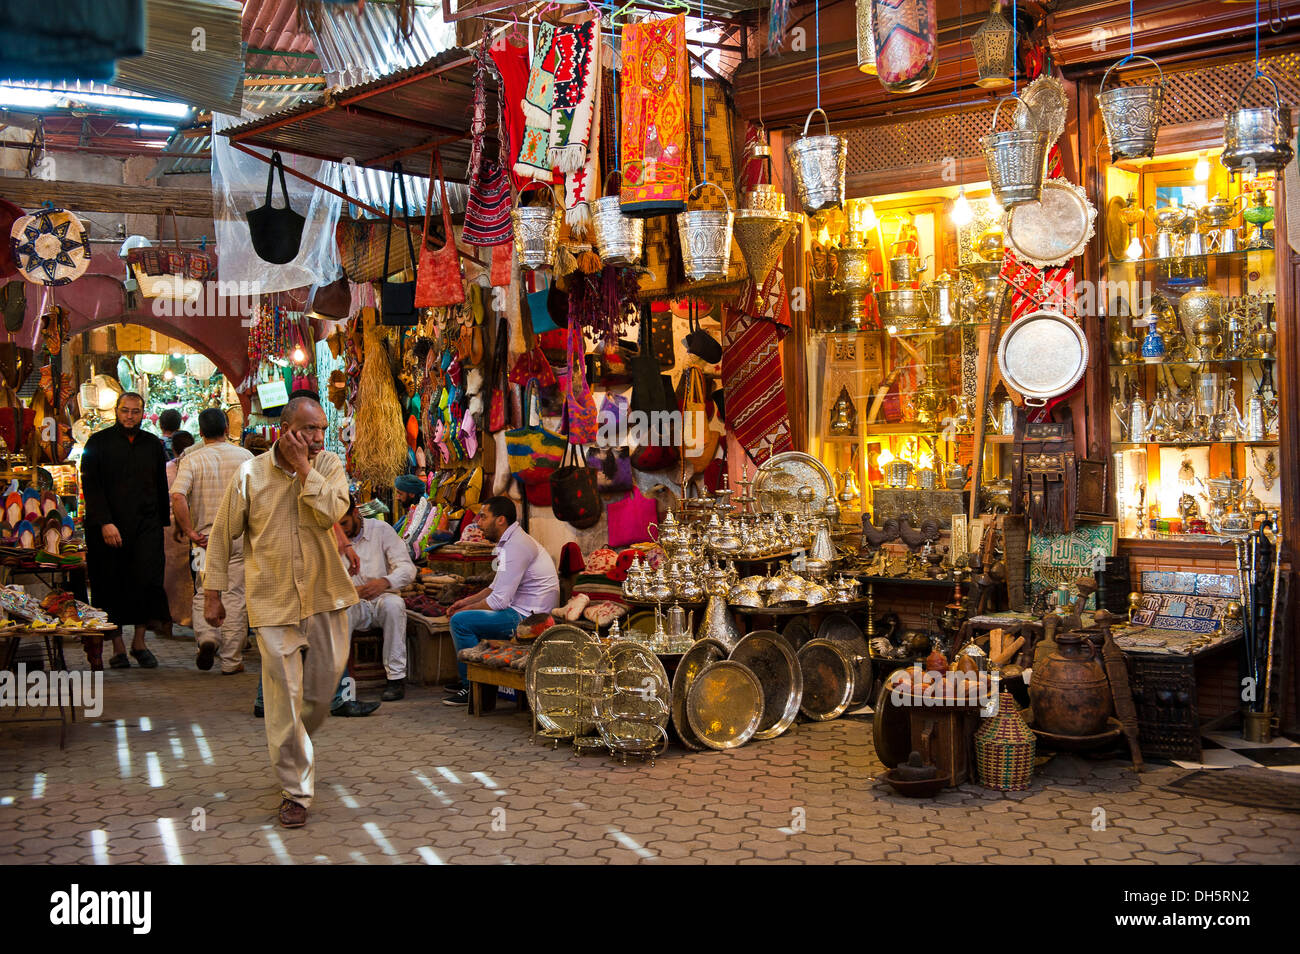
<point x="1042" y="354"/>
<point x="1046" y="98"/>
<point x="1054" y="229"/>
<point x="780" y="477"/>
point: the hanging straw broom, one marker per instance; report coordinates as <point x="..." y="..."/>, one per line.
<point x="379" y="448"/>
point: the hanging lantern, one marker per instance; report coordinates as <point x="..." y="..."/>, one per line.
<point x="762" y="225"/>
<point x="994" y="49"/>
<point x="866" y="38"/>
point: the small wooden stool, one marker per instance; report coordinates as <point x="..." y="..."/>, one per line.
<point x="481" y="676"/>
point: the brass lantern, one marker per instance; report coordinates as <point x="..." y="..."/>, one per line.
<point x="994" y="49"/>
<point x="866" y="37"/>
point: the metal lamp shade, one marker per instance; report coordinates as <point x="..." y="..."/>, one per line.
<point x="866" y="37"/>
<point x="994" y="49"/>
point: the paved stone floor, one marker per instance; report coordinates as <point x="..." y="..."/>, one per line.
<point x="175" y="770"/>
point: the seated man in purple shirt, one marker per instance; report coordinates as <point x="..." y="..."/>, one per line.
<point x="525" y="583"/>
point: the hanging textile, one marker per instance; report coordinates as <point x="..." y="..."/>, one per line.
<point x="751" y="367"/>
<point x="575" y="68"/>
<point x="579" y="406"/>
<point x="583" y="186"/>
<point x="533" y="161"/>
<point x="653" y="108"/>
<point x="511" y="62"/>
<point x="487" y="209"/>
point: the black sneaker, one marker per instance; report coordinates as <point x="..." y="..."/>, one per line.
<point x="354" y="709"/>
<point x="460" y="698"/>
<point x="259" y="712"/>
<point x="145" y="658"/>
<point x="207" y="653"/>
<point x="120" y="661"/>
<point x="396" y="689"/>
<point x="453" y="687"/>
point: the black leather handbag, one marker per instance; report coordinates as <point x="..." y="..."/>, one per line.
<point x="276" y="233"/>
<point x="397" y="299"/>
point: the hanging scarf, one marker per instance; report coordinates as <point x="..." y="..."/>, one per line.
<point x="511" y="62"/>
<point x="583" y="187"/>
<point x="538" y="99"/>
<point x="653" y="107"/>
<point x="751" y="368"/>
<point x="575" y="68"/>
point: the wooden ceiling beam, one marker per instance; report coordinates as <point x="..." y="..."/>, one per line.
<point x="96" y="197"/>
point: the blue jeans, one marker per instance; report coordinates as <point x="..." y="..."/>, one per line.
<point x="470" y="626"/>
<point x="338" y="693"/>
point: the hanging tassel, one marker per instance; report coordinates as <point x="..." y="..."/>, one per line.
<point x="778" y="25"/>
<point x="589" y="262"/>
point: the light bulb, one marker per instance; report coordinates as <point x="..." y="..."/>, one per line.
<point x="1134" y="250"/>
<point x="298" y="356"/>
<point x="892" y="329"/>
<point x="168" y="375"/>
<point x="824" y="236"/>
<point x="962" y="213"/>
<point x="868" y="219"/>
<point x="1202" y="171"/>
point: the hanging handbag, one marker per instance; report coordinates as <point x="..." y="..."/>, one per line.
<point x="438" y="278"/>
<point x="534" y="452"/>
<point x="539" y="315"/>
<point x="630" y="519"/>
<point x="651" y="400"/>
<point x="332" y="301"/>
<point x="176" y="273"/>
<point x="13" y="301"/>
<point x="699" y="441"/>
<point x="487" y="210"/>
<point x="613" y="469"/>
<point x="579" y="406"/>
<point x="574" y="497"/>
<point x="698" y="341"/>
<point x="503" y="265"/>
<point x="397" y="299"/>
<point x="360" y="253"/>
<point x="276" y="233"/>
<point x="497" y="405"/>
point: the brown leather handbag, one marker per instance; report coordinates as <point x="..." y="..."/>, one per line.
<point x="438" y="278"/>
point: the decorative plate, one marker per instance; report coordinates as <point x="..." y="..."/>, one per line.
<point x="1054" y="229"/>
<point x="695" y="659"/>
<point x="1042" y="354"/>
<point x="50" y="247"/>
<point x="840" y="628"/>
<point x="640" y="691"/>
<point x="1046" y="97"/>
<point x="725" y="705"/>
<point x="769" y="657"/>
<point x="780" y="478"/>
<point x="828" y="678"/>
<point x="554" y="664"/>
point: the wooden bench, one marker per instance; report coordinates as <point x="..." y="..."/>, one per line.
<point x="483" y="678"/>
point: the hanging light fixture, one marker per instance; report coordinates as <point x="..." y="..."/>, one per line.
<point x="866" y="38"/>
<point x="962" y="214"/>
<point x="994" y="49"/>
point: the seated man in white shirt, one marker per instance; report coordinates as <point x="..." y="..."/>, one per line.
<point x="525" y="583"/>
<point x="385" y="568"/>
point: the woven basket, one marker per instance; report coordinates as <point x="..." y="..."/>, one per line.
<point x="1004" y="749"/>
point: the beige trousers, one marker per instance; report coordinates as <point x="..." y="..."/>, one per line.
<point x="234" y="630"/>
<point x="301" y="668"/>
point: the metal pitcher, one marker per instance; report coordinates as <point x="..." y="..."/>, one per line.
<point x="818" y="164"/>
<point x="1257" y="140"/>
<point x="705" y="236"/>
<point x="1131" y="114"/>
<point x="1015" y="159"/>
<point x="907" y="268"/>
<point x="619" y="238"/>
<point x="537" y="230"/>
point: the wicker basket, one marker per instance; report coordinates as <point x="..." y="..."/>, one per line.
<point x="1004" y="749"/>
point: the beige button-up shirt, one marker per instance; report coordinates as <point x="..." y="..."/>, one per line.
<point x="291" y="561"/>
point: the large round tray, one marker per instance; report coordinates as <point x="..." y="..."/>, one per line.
<point x="1046" y="99"/>
<point x="702" y="654"/>
<point x="828" y="679"/>
<point x="769" y="657"/>
<point x="780" y="477"/>
<point x="840" y="628"/>
<point x="558" y="657"/>
<point x="724" y="705"/>
<point x="1042" y="354"/>
<point x="1054" y="229"/>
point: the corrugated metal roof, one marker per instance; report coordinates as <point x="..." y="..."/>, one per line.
<point x="356" y="47"/>
<point x="195" y="54"/>
<point x="401" y="115"/>
<point x="192" y="152"/>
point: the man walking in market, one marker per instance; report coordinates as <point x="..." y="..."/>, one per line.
<point x="124" y="481"/>
<point x="201" y="482"/>
<point x="284" y="505"/>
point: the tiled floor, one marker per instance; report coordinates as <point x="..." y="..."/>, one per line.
<point x="175" y="770"/>
<point x="1226" y="750"/>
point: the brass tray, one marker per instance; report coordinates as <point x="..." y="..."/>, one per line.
<point x="640" y="690"/>
<point x="797" y="633"/>
<point x="1042" y="354"/>
<point x="724" y="705"/>
<point x="1054" y="229"/>
<point x="891" y="730"/>
<point x="694" y="660"/>
<point x="1046" y="97"/>
<point x="557" y="658"/>
<point x="769" y="657"/>
<point x="840" y="628"/>
<point x="780" y="477"/>
<point x="828" y="680"/>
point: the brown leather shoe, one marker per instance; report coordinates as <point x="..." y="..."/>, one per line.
<point x="292" y="815"/>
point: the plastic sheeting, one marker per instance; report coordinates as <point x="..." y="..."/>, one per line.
<point x="239" y="186"/>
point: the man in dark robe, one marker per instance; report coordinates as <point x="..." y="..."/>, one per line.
<point x="124" y="481"/>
